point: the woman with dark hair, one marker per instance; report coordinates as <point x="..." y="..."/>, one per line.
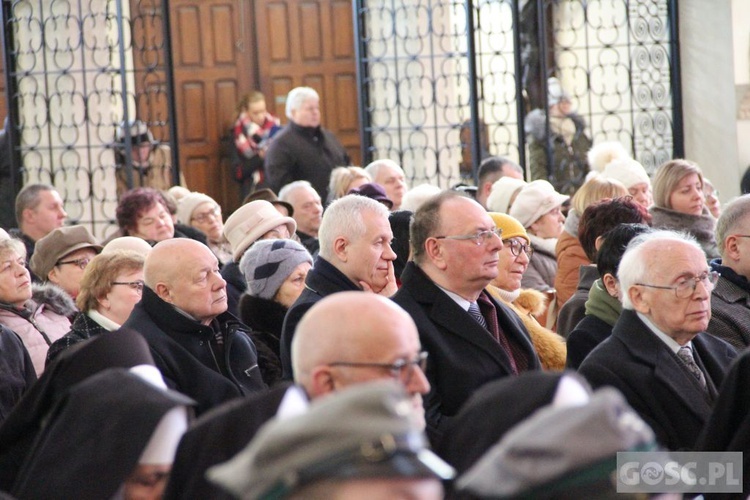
<point x="680" y="204"/>
<point x="142" y="212"/>
<point x="111" y="286"/>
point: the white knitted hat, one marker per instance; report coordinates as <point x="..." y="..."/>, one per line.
<point x="627" y="171"/>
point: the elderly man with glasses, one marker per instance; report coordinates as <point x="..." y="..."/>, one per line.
<point x="345" y="339"/>
<point x="471" y="338"/>
<point x="658" y="355"/>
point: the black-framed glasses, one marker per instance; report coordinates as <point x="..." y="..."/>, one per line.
<point x="214" y="213"/>
<point x="516" y="247"/>
<point x="402" y="370"/>
<point x="136" y="285"/>
<point x="81" y="263"/>
<point x="479" y="238"/>
<point x="685" y="288"/>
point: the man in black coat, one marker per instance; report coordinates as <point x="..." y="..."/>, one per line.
<point x="454" y="247"/>
<point x="200" y="349"/>
<point x="355" y="254"/>
<point x="304" y="150"/>
<point x="345" y="339"/>
<point x="658" y="355"/>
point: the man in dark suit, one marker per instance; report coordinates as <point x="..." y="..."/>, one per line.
<point x="658" y="355"/>
<point x="730" y="300"/>
<point x="345" y="339"/>
<point x="470" y="337"/>
<point x="355" y="254"/>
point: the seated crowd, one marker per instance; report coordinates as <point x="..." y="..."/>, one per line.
<point x="188" y="356"/>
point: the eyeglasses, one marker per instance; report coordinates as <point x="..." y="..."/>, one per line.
<point x="516" y="247"/>
<point x="135" y="285"/>
<point x="214" y="213"/>
<point x="479" y="238"/>
<point x="686" y="287"/>
<point x="81" y="263"/>
<point x="741" y="235"/>
<point x="403" y="369"/>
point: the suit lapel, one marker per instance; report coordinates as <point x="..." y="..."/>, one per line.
<point x="650" y="350"/>
<point x="450" y="317"/>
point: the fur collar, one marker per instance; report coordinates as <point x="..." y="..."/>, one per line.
<point x="702" y="226"/>
<point x="54" y="297"/>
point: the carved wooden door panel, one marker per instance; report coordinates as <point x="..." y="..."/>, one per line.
<point x="310" y="42"/>
<point x="212" y="69"/>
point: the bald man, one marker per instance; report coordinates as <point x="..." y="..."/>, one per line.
<point x="200" y="349"/>
<point x="347" y="338"/>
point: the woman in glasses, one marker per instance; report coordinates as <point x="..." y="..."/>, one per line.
<point x="201" y="212"/>
<point x="40" y="320"/>
<point x="513" y="260"/>
<point x="111" y="286"/>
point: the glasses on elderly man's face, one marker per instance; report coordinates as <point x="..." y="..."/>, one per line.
<point x="685" y="288"/>
<point x="203" y="217"/>
<point x="81" y="263"/>
<point x="135" y="285"/>
<point x="479" y="238"/>
<point x="516" y="247"/>
<point x="402" y="370"/>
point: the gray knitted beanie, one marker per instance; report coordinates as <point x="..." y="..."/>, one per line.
<point x="268" y="263"/>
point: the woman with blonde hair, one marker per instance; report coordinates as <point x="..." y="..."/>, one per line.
<point x="343" y="179"/>
<point x="680" y="205"/>
<point x="569" y="252"/>
<point x="111" y="286"/>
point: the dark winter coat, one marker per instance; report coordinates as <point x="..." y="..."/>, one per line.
<point x="183" y="352"/>
<point x="463" y="356"/>
<point x="236" y="286"/>
<point x="83" y="328"/>
<point x="730" y="307"/>
<point x="304" y="153"/>
<point x="655" y="382"/>
<point x="16" y="371"/>
<point x="266" y="318"/>
<point x="322" y="280"/>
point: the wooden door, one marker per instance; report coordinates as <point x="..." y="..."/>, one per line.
<point x="311" y="43"/>
<point x="213" y="67"/>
